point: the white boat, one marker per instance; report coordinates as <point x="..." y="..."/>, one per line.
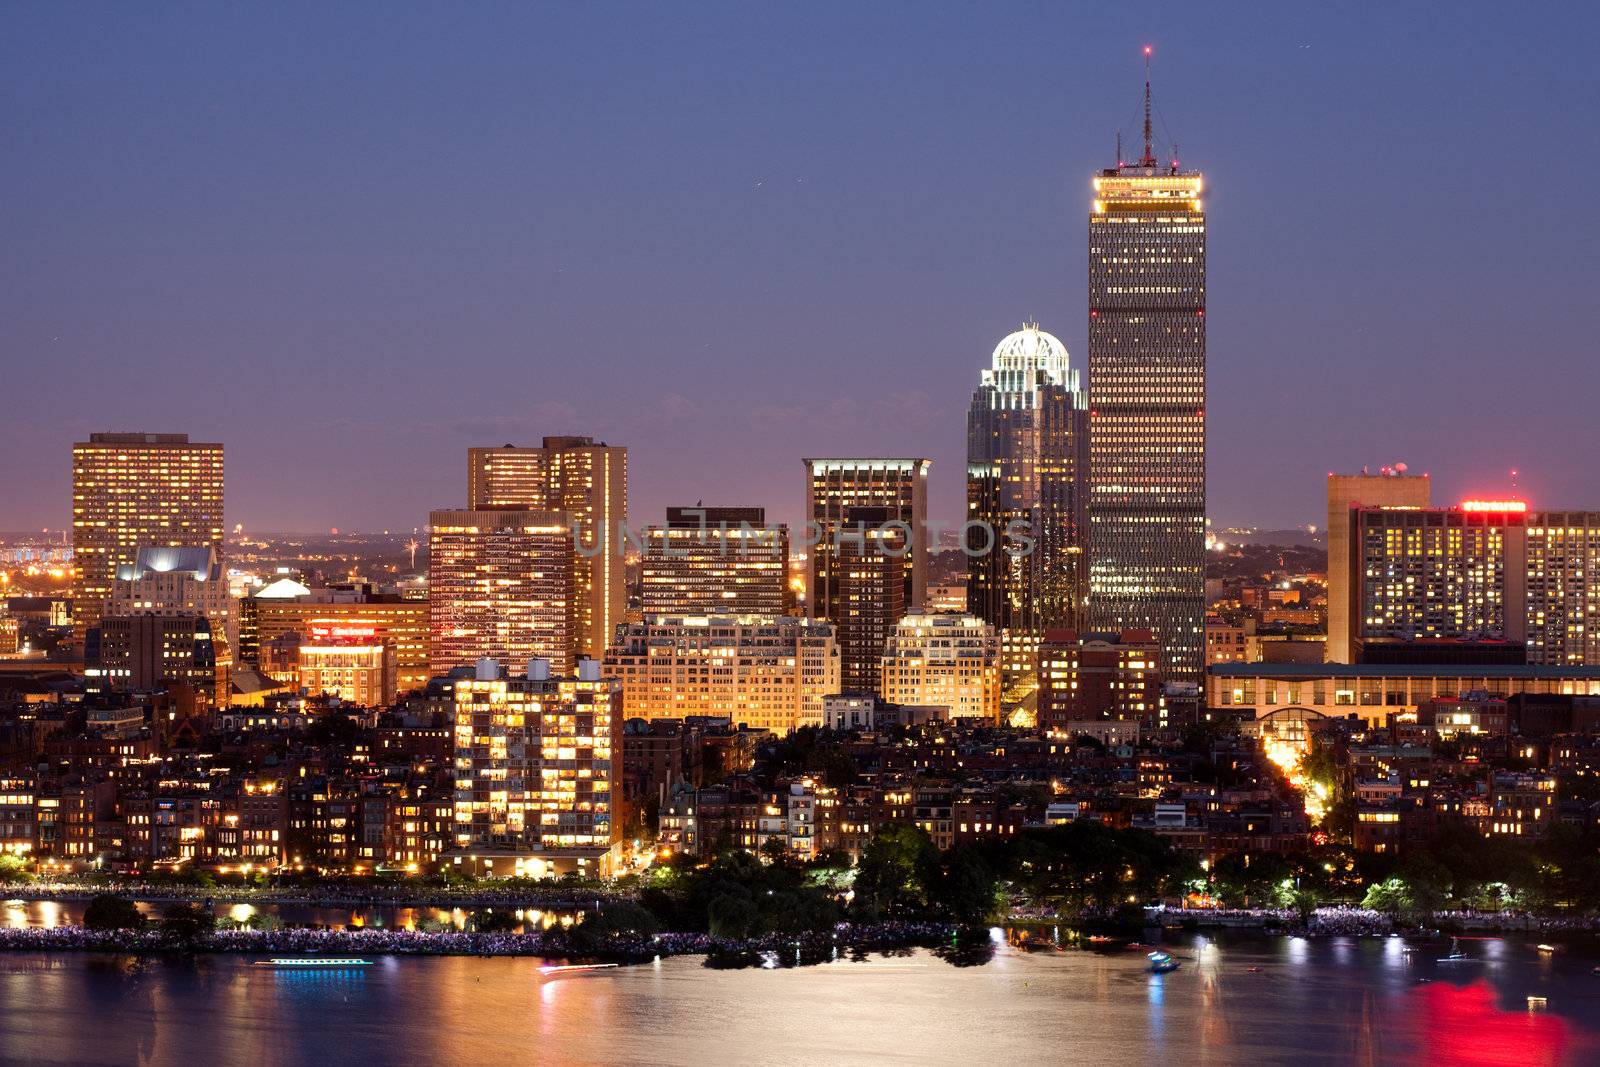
<point x="323" y="962"/>
<point x="1456" y="955"/>
<point x="552" y="970"/>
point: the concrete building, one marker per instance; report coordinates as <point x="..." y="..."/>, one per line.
<point x="715" y="561"/>
<point x="1390" y="488"/>
<point x="533" y="769"/>
<point x="588" y="484"/>
<point x="1563" y="587"/>
<point x="871" y="592"/>
<point x="290" y="610"/>
<point x="349" y="663"/>
<point x="501" y="587"/>
<point x="138" y="489"/>
<point x="769" y="674"/>
<point x="947" y="660"/>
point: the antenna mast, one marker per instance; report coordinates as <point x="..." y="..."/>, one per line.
<point x="1149" y="159"/>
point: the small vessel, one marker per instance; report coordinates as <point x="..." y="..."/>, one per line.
<point x="1253" y="970"/>
<point x="1546" y="950"/>
<point x="1161" y="963"/>
<point x="1100" y="939"/>
<point x="553" y="969"/>
<point x="1038" y="944"/>
<point x="322" y="962"/>
<point x="1537" y="1003"/>
<point x="1456" y="955"/>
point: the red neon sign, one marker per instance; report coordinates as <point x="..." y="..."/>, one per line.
<point x="1496" y="506"/>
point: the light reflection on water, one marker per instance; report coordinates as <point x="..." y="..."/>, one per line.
<point x="1310" y="1001"/>
<point x="22" y="913"/>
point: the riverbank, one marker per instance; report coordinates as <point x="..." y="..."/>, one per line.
<point x="557" y="943"/>
<point x="555" y="897"/>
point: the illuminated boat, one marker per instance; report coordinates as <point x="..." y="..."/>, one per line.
<point x="555" y="970"/>
<point x="1456" y="955"/>
<point x="1161" y="963"/>
<point x="321" y="962"/>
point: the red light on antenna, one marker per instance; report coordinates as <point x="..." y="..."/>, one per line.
<point x="1146" y="49"/>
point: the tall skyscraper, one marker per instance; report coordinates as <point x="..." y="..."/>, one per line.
<point x="587" y="482"/>
<point x="1391" y="488"/>
<point x="871" y="600"/>
<point x="133" y="489"/>
<point x="1147" y="397"/>
<point x="500" y="586"/>
<point x="1027" y="457"/>
<point x="715" y="561"/>
<point x="833" y="487"/>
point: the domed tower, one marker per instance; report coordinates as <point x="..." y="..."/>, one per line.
<point x="1027" y="451"/>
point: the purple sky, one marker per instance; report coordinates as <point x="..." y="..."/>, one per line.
<point x="350" y="243"/>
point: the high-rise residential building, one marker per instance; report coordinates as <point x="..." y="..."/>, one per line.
<point x="833" y="487"/>
<point x="286" y="609"/>
<point x="588" y="483"/>
<point x="133" y="489"/>
<point x="769" y="674"/>
<point x="501" y="587"/>
<point x="1563" y="587"/>
<point x="1390" y="488"/>
<point x="534" y="762"/>
<point x="1147" y="399"/>
<point x="715" y="561"/>
<point x="871" y="592"/>
<point x="1027" y="459"/>
<point x="950" y="661"/>
<point x="146" y="653"/>
<point x="1429" y="574"/>
<point x="1087" y="677"/>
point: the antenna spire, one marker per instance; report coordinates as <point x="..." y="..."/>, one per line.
<point x="1119" y="148"/>
<point x="1149" y="158"/>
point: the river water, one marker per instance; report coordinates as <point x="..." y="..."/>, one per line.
<point x="1311" y="1002"/>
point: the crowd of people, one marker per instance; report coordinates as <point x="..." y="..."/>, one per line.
<point x="556" y="942"/>
<point x="551" y="895"/>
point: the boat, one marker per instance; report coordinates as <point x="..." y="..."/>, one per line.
<point x="323" y="962"/>
<point x="1547" y="949"/>
<point x="1038" y="944"/>
<point x="1100" y="939"/>
<point x="1161" y="963"/>
<point x="1537" y="1003"/>
<point x="1456" y="955"/>
<point x="1253" y="970"/>
<point x="551" y="970"/>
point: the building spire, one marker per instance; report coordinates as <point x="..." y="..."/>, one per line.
<point x="1149" y="158"/>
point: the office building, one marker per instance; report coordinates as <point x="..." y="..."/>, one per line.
<point x="870" y="562"/>
<point x="951" y="661"/>
<point x="150" y="653"/>
<point x="833" y="487"/>
<point x="175" y="582"/>
<point x="768" y="674"/>
<point x="501" y="587"/>
<point x="1027" y="460"/>
<point x="1147" y="399"/>
<point x="534" y="757"/>
<point x="1392" y="487"/>
<point x="715" y="561"/>
<point x="133" y="489"/>
<point x="587" y="483"/>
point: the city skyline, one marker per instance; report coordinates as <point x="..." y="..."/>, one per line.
<point x="824" y="260"/>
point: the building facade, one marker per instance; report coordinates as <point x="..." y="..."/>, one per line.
<point x="769" y="674"/>
<point x="950" y="661"/>
<point x="1147" y="399"/>
<point x="588" y="484"/>
<point x="133" y="489"/>
<point x="533" y="766"/>
<point x="1563" y="587"/>
<point x="1099" y="676"/>
<point x="1390" y="488"/>
<point x="354" y="611"/>
<point x="870" y="581"/>
<point x="715" y="561"/>
<point x="1027" y="461"/>
<point x="501" y="587"/>
<point x="833" y="488"/>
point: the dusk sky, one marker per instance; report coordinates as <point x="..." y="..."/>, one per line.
<point x="351" y="241"/>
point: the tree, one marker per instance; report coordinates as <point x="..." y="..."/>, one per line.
<point x="107" y="912"/>
<point x="13" y="868"/>
<point x="489" y="921"/>
<point x="895" y="870"/>
<point x="965" y="887"/>
<point x="187" y="923"/>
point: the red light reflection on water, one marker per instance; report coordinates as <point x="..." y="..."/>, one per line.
<point x="1464" y="1026"/>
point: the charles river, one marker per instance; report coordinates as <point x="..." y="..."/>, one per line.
<point x="1238" y="999"/>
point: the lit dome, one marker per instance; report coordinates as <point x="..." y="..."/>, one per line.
<point x="1021" y="355"/>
